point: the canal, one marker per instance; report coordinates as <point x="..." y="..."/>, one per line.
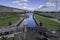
<point x="29" y="21"/>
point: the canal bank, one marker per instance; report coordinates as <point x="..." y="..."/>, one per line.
<point x="35" y="20"/>
<point x="20" y="22"/>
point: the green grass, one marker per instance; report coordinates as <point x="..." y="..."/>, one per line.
<point x="5" y="19"/>
<point x="46" y="22"/>
<point x="6" y="38"/>
<point x="9" y="38"/>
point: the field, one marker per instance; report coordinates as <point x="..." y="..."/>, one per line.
<point x="6" y="18"/>
<point x="46" y="22"/>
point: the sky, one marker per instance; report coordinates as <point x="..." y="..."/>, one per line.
<point x="42" y="5"/>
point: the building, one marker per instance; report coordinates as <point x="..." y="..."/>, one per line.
<point x="7" y="9"/>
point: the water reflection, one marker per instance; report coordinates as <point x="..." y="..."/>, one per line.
<point x="28" y="21"/>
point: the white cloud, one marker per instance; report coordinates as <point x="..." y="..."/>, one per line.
<point x="25" y="4"/>
<point x="31" y="9"/>
<point x="55" y="1"/>
<point x="41" y="6"/>
<point x="50" y="4"/>
<point x="22" y="3"/>
<point x="25" y="7"/>
<point x="23" y="0"/>
<point x="47" y="5"/>
<point x="19" y="4"/>
<point x="15" y="2"/>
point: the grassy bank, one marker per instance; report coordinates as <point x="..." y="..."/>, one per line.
<point x="46" y="22"/>
<point x="6" y="18"/>
<point x="48" y="15"/>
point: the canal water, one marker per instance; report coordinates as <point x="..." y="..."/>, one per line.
<point x="29" y="21"/>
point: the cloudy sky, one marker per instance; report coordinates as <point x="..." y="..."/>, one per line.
<point x="33" y="4"/>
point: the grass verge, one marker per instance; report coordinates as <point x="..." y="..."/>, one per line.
<point x="5" y="19"/>
<point x="46" y="22"/>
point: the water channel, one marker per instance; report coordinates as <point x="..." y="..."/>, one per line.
<point x="29" y="21"/>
